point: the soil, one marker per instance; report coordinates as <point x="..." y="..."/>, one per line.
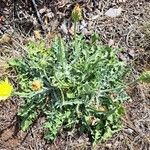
<point x="128" y="31"/>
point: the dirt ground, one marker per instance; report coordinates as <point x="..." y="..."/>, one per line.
<point x="129" y="31"/>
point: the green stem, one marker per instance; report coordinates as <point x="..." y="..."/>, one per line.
<point x="75" y="27"/>
<point x="62" y="94"/>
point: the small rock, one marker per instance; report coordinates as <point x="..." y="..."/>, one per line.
<point x="111" y="42"/>
<point x="123" y="57"/>
<point x="131" y="53"/>
<point x="49" y="15"/>
<point x="122" y="1"/>
<point x="81" y="140"/>
<point x="83" y="24"/>
<point x="43" y="10"/>
<point x="95" y="17"/>
<point x="64" y="27"/>
<point x="37" y="34"/>
<point x="6" y="39"/>
<point x="109" y="146"/>
<point x="130" y="100"/>
<point x="86" y="32"/>
<point x="112" y="12"/>
<point x="129" y="130"/>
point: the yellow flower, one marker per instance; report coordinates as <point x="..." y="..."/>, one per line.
<point x="76" y="13"/>
<point x="5" y="89"/>
<point x="36" y="85"/>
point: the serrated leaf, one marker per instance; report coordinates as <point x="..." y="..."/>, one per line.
<point x="28" y="120"/>
<point x="107" y="134"/>
<point x="145" y="77"/>
<point x="70" y="95"/>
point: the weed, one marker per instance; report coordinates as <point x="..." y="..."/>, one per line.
<point x="78" y="84"/>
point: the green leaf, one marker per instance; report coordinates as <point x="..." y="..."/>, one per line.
<point x="70" y="95"/>
<point x="28" y="120"/>
<point x="107" y="134"/>
<point x="14" y="62"/>
<point x="145" y="77"/>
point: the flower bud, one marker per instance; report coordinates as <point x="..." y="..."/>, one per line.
<point x="37" y="85"/>
<point x="76" y="13"/>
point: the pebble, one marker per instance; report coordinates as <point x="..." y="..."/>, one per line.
<point x="112" y="12"/>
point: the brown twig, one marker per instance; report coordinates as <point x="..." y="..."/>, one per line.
<point x="38" y="14"/>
